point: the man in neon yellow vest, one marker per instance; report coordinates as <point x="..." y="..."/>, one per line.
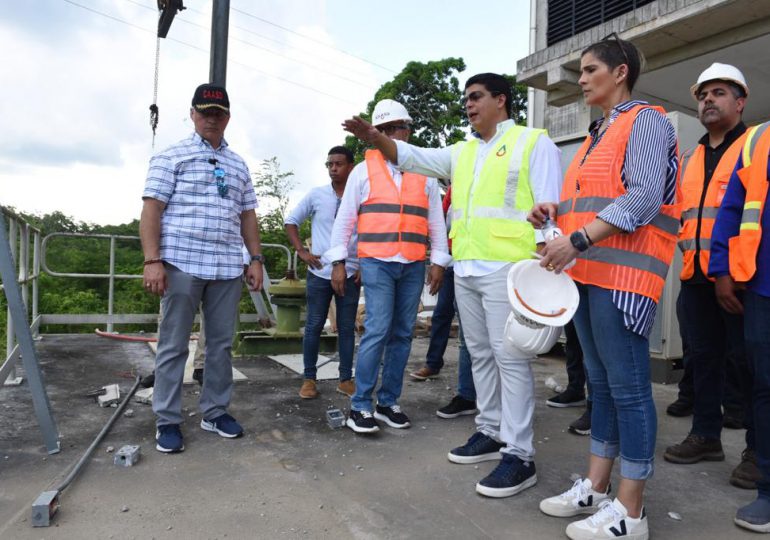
<point x="496" y="176"/>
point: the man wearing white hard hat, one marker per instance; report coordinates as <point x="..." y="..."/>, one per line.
<point x="397" y="214"/>
<point x="495" y="175"/>
<point x="714" y="336"/>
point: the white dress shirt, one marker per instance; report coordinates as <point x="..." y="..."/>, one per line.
<point x="545" y="177"/>
<point x="357" y="193"/>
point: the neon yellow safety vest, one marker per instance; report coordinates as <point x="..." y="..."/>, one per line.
<point x="489" y="214"/>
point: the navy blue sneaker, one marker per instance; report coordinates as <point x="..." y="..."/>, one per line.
<point x="510" y="477"/>
<point x="478" y="448"/>
<point x="754" y="516"/>
<point x="168" y="439"/>
<point x="225" y="425"/>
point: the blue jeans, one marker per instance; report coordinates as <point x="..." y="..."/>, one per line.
<point x="756" y="318"/>
<point x="392" y="291"/>
<point x="714" y="341"/>
<point x="319" y="294"/>
<point x="623" y="419"/>
<point x="441" y="321"/>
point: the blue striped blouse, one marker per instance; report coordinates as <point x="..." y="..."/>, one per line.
<point x="649" y="176"/>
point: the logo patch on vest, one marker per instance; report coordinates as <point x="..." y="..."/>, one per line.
<point x="501" y="151"/>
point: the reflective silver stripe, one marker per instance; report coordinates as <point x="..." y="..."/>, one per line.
<point x="508" y="209"/>
<point x="457" y="149"/>
<point x="385" y="208"/>
<point x="382" y="208"/>
<point x="687" y="245"/>
<point x="392" y="237"/>
<point x="592" y="204"/>
<point x="709" y="212"/>
<point x="499" y="213"/>
<point x="666" y="223"/>
<point x="413" y="237"/>
<point x="750" y="215"/>
<point x="690" y="244"/>
<point x="378" y="237"/>
<point x="626" y="258"/>
<point x="564" y="207"/>
<point x="690" y="213"/>
<point x="686" y="159"/>
<point x="755" y="139"/>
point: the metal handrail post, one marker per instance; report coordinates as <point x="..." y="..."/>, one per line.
<point x="23" y="263"/>
<point x="35" y="281"/>
<point x="10" y="336"/>
<point x="111" y="293"/>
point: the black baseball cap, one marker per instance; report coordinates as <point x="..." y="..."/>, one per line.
<point x="209" y="96"/>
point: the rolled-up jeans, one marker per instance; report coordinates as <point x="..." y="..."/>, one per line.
<point x="623" y="418"/>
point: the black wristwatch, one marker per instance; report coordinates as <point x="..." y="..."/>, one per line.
<point x="257" y="258"/>
<point x="579" y="241"/>
<point x="341" y="261"/>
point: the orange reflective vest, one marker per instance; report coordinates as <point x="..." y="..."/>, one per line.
<point x="393" y="222"/>
<point x="636" y="262"/>
<point x="753" y="175"/>
<point x="695" y="212"/>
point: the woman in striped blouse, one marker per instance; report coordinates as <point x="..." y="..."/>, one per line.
<point x="620" y="219"/>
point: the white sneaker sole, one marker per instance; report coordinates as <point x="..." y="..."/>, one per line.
<point x="468" y="460"/>
<point x="575" y="533"/>
<point x="208" y="426"/>
<point x="565" y="405"/>
<point x="352" y="425"/>
<point x="391" y="423"/>
<point x="455" y="415"/>
<point x="499" y="493"/>
<point x="764" y="528"/>
<point x="557" y="510"/>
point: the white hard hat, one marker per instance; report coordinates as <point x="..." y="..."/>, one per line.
<point x="539" y="297"/>
<point x="388" y="110"/>
<point x="521" y="339"/>
<point x="720" y="72"/>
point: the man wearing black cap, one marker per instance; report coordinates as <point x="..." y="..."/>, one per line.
<point x="198" y="211"/>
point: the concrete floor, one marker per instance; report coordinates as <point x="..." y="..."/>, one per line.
<point x="291" y="476"/>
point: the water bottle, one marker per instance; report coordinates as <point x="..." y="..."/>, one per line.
<point x="551" y="231"/>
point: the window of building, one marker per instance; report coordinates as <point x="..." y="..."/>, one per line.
<point x="567" y="18"/>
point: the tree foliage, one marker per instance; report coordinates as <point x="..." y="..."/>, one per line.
<point x="431" y="93"/>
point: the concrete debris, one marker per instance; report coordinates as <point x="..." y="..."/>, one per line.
<point x="144" y="396"/>
<point x="675" y="516"/>
<point x="108" y="395"/>
<point x="551" y="383"/>
<point x="129" y="413"/>
<point x="192" y="414"/>
<point x="574" y="476"/>
<point x="128" y="455"/>
<point x="124" y="509"/>
<point x="110" y="449"/>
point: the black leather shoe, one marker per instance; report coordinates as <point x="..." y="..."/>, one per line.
<point x="680" y="408"/>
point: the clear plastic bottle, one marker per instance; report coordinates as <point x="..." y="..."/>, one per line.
<point x="551" y="231"/>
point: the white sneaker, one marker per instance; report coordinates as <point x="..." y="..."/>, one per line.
<point x="610" y="522"/>
<point x="579" y="499"/>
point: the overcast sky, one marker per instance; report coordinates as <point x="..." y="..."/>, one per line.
<point x="79" y="81"/>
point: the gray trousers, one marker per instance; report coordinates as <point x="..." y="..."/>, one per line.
<point x="504" y="384"/>
<point x="219" y="300"/>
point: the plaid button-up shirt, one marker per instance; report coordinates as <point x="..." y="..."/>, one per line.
<point x="201" y="230"/>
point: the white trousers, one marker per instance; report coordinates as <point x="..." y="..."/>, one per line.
<point x="504" y="383"/>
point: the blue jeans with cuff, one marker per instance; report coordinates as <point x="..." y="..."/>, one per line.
<point x="623" y="419"/>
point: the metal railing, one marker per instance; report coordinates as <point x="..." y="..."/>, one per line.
<point x="23" y="238"/>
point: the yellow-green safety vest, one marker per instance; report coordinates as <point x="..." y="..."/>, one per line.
<point x="489" y="213"/>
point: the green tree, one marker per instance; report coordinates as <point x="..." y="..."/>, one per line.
<point x="431" y="93"/>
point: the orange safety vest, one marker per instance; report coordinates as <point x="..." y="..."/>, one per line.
<point x="636" y="262"/>
<point x="744" y="247"/>
<point x="693" y="171"/>
<point x="393" y="222"/>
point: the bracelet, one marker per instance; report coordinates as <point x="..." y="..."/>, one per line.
<point x="590" y="242"/>
<point x="341" y="261"/>
<point x="152" y="261"/>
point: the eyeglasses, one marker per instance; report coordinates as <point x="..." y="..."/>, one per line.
<point x="387" y="130"/>
<point x="616" y="38"/>
<point x="476" y="96"/>
<point x="222" y="187"/>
